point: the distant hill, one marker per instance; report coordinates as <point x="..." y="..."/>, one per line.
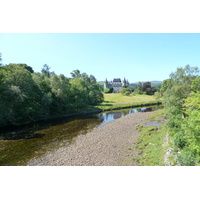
<point x="153" y="83"/>
<point x="156" y="83"/>
<point x="100" y="82"/>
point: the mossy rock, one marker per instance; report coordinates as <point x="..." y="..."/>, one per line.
<point x="152" y="128"/>
<point x="139" y="127"/>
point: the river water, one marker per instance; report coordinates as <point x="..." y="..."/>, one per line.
<point x="17" y="146"/>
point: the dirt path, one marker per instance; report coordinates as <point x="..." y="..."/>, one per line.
<point x="109" y="145"/>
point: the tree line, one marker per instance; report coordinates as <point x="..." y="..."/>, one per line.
<point x="181" y="98"/>
<point x="141" y="88"/>
<point x="27" y="96"/>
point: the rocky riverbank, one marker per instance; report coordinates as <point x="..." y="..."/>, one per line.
<point x="109" y="145"/>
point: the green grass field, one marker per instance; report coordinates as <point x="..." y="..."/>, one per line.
<point x="115" y="100"/>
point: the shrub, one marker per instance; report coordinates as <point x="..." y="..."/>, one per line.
<point x="108" y="90"/>
<point x="127" y="93"/>
<point x="174" y="121"/>
<point x="158" y="95"/>
<point x="179" y="140"/>
<point x="186" y="158"/>
<point x="127" y="90"/>
<point x="137" y="91"/>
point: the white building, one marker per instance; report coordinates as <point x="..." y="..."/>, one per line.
<point x="116" y="84"/>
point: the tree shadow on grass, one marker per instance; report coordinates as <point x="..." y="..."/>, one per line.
<point x="106" y="105"/>
<point x="109" y="101"/>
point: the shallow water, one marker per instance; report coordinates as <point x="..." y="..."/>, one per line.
<point x="153" y="124"/>
<point x="110" y="116"/>
<point x="17" y="146"/>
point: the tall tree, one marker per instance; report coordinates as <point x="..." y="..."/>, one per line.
<point x="179" y="88"/>
<point x="30" y="69"/>
<point x="165" y="84"/>
<point x="76" y="74"/>
<point x="60" y="89"/>
<point x="46" y="70"/>
<point x="79" y="93"/>
<point x="148" y="89"/>
<point x="93" y="79"/>
<point x="139" y="86"/>
<point x="21" y="97"/>
<point x="95" y="94"/>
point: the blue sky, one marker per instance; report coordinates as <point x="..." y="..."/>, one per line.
<point x="136" y="56"/>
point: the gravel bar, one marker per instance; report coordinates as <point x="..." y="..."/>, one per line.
<point x="109" y="145"/>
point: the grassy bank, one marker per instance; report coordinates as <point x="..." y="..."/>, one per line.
<point x="152" y="145"/>
<point x="117" y="100"/>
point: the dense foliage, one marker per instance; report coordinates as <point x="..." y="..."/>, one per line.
<point x="127" y="90"/>
<point x="108" y="90"/>
<point x="182" y="100"/>
<point x="26" y="96"/>
<point x="146" y="87"/>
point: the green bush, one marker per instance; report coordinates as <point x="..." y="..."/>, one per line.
<point x="179" y="140"/>
<point x="186" y="158"/>
<point x="127" y="90"/>
<point x="137" y="91"/>
<point x="127" y="93"/>
<point x="108" y="90"/>
<point x="174" y="121"/>
<point x="158" y="95"/>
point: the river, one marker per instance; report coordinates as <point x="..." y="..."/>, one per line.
<point x="18" y="146"/>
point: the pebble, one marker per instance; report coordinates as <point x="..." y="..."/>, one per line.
<point x="103" y="146"/>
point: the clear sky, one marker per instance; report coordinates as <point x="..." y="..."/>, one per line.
<point x="135" y="56"/>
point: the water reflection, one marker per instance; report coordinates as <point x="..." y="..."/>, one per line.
<point x="107" y="117"/>
<point x="110" y="116"/>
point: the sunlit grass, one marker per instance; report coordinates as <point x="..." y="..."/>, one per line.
<point x="115" y="100"/>
<point x="149" y="145"/>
